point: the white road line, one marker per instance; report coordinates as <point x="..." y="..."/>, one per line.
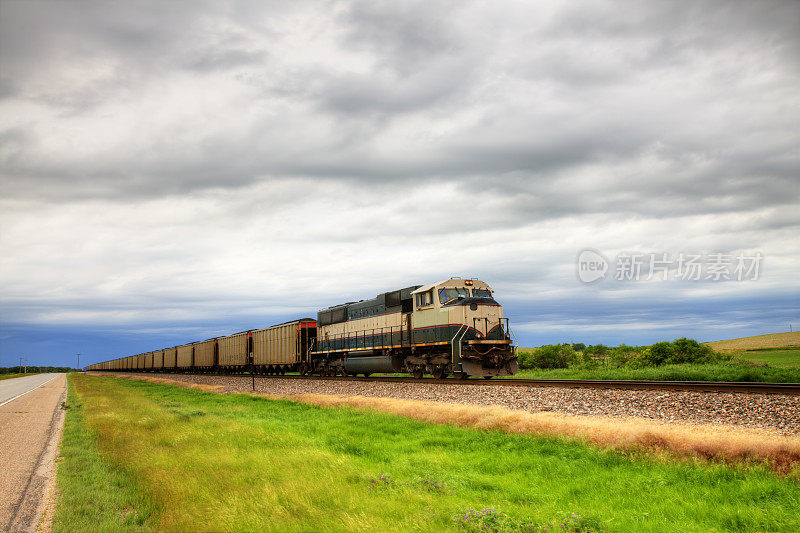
<point x="26" y="392"/>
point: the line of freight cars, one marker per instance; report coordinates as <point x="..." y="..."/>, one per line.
<point x="273" y="350"/>
<point x="450" y="327"/>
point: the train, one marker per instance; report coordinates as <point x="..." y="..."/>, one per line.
<point x="451" y="327"/>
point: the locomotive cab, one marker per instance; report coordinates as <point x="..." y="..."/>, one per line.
<point x="464" y="313"/>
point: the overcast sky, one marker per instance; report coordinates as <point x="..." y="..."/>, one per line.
<point x="176" y="170"/>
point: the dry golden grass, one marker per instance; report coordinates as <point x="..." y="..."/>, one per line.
<point x="719" y="443"/>
<point x="166" y="381"/>
<point x="773" y="340"/>
<point x="728" y="444"/>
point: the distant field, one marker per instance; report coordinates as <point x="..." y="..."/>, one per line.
<point x="748" y="359"/>
<point x="787" y="359"/>
<point x="143" y="456"/>
<point x="777" y="350"/>
<point x="773" y="340"/>
<point x="12" y="376"/>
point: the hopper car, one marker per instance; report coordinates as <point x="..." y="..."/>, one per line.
<point x="451" y="327"/>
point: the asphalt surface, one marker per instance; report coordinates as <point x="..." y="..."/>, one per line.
<point x="10" y="388"/>
<point x="30" y="423"/>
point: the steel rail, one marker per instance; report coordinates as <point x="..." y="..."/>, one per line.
<point x="792" y="389"/>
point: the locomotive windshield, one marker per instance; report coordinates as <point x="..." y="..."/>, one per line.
<point x="481" y="293"/>
<point x="448" y="295"/>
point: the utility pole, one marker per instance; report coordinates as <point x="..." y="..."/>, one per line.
<point x="26" y="365"/>
<point x="20" y="364"/>
<point x="79" y="363"/>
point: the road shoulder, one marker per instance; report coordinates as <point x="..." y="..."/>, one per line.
<point x="30" y="429"/>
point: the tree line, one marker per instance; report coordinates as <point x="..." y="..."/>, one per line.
<point x="35" y="369"/>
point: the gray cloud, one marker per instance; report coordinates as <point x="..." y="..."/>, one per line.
<point x="233" y="145"/>
<point x="451" y="88"/>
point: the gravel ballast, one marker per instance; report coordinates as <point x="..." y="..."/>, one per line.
<point x="770" y="411"/>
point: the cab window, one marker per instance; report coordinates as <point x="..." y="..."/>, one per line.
<point x="424" y="298"/>
<point x="448" y="295"/>
<point x="481" y="293"/>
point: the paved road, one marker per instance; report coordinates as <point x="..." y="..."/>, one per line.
<point x="16" y="386"/>
<point x="30" y="425"/>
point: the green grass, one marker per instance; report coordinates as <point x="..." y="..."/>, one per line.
<point x="682" y="372"/>
<point x="12" y="376"/>
<point x="787" y="358"/>
<point x="94" y="495"/>
<point x="242" y="463"/>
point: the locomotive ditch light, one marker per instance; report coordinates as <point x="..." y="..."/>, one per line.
<point x="468" y="282"/>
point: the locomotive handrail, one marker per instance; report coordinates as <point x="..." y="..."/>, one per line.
<point x="453" y="344"/>
<point x="310" y="348"/>
<point x="510" y="331"/>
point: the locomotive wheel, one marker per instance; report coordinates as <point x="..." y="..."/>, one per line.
<point x="439" y="372"/>
<point x="367" y="374"/>
<point x="417" y="372"/>
<point x="462" y="375"/>
<point x="488" y="377"/>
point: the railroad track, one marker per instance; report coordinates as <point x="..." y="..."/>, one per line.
<point x="696" y="386"/>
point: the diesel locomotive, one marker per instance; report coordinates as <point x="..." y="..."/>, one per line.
<point x="451" y="327"/>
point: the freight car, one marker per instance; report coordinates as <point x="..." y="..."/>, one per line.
<point x="273" y="350"/>
<point x="449" y="327"/>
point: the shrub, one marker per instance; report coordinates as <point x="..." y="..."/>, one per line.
<point x="525" y="360"/>
<point x="621" y="354"/>
<point x="681" y="350"/>
<point x="548" y="356"/>
<point x="689" y="351"/>
<point x="638" y="359"/>
<point x="659" y="353"/>
<point x="586" y="360"/>
<point x="596" y="349"/>
<point x="554" y="356"/>
<point x="578" y="346"/>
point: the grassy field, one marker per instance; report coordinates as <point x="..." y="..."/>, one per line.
<point x="734" y="370"/>
<point x="12" y="376"/>
<point x="166" y="458"/>
<point x="788" y="358"/>
<point x="93" y="494"/>
<point x="772" y="340"/>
